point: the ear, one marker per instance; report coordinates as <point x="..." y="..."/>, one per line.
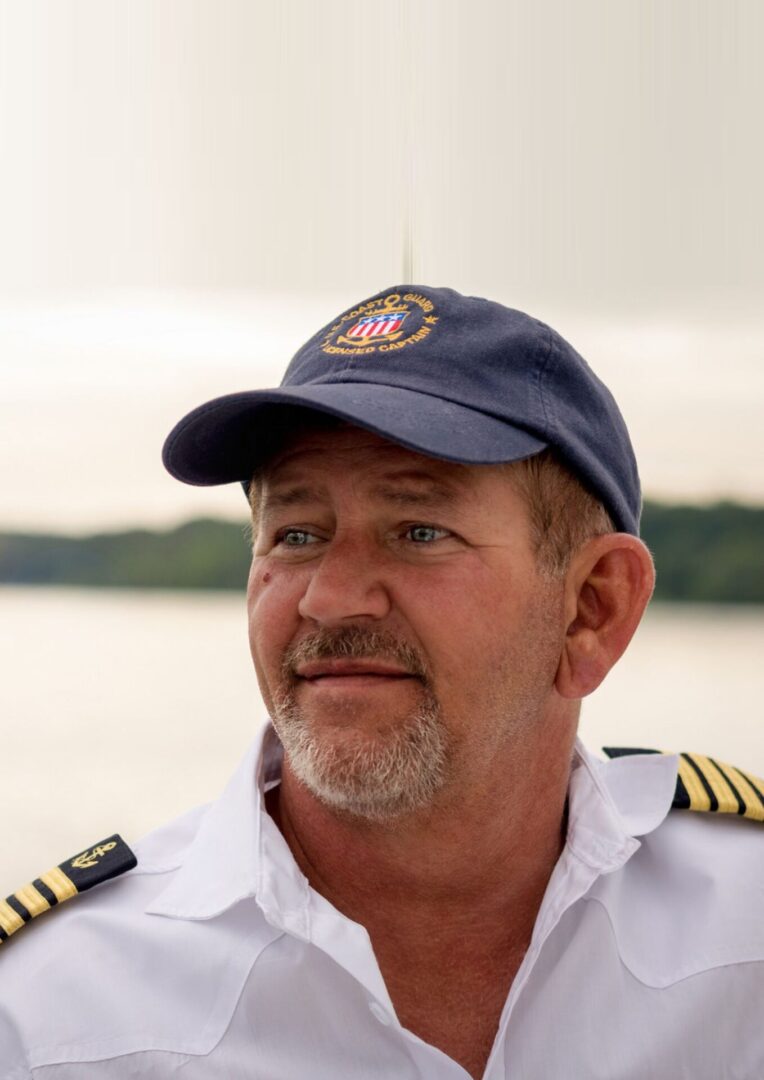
<point x="607" y="587"/>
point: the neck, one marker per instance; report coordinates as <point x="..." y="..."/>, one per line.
<point x="487" y="848"/>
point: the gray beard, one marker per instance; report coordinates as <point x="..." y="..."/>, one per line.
<point x="377" y="777"/>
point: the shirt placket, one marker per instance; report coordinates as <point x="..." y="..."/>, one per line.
<point x="588" y="853"/>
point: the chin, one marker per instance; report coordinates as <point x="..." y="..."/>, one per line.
<point x="377" y="771"/>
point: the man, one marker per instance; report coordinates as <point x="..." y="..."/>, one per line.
<point x="418" y="871"/>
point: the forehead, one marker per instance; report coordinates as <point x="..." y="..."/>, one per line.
<point x="321" y="452"/>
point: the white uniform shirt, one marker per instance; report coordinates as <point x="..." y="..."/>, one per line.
<point x="215" y="960"/>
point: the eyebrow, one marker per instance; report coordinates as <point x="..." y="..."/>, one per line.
<point x="286" y="497"/>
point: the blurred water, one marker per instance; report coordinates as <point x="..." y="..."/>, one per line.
<point x="121" y="709"/>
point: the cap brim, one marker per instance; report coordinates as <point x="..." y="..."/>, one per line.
<point x="226" y="439"/>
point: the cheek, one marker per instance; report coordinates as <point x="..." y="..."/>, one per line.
<point x="272" y="599"/>
<point x="469" y="620"/>
<point x="450" y="612"/>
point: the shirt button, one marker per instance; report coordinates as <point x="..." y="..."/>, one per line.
<point x="379" y="1013"/>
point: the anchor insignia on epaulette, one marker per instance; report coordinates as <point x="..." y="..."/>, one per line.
<point x="103" y="861"/>
<point x="90" y="858"/>
<point x="709" y="786"/>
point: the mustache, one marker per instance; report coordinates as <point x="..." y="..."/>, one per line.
<point x="355" y="643"/>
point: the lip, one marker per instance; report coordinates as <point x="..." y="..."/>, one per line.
<point x="317" y="671"/>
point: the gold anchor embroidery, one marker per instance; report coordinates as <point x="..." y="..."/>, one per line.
<point x="90" y="858"/>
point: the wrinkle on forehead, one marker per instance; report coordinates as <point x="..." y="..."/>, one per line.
<point x="419" y="491"/>
<point x="353" y="441"/>
<point x="342" y="439"/>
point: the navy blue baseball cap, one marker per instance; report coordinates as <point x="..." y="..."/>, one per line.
<point x="455" y="377"/>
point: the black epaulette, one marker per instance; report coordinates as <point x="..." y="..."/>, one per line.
<point x="708" y="785"/>
<point x="101" y="862"/>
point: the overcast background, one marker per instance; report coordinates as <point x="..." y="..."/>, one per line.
<point x="189" y="188"/>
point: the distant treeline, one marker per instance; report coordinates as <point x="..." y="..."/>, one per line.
<point x="710" y="554"/>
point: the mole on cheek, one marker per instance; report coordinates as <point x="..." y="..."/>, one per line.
<point x="266" y="577"/>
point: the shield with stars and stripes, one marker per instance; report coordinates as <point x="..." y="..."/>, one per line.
<point x="374" y="326"/>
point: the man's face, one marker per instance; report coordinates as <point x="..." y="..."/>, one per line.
<point x="403" y="638"/>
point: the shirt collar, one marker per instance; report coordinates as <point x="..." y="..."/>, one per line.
<point x="238" y="851"/>
<point x="611" y="803"/>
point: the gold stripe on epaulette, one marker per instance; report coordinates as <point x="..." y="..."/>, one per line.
<point x="33" y="901"/>
<point x="699" y="797"/>
<point x="725" y="796"/>
<point x="754" y="808"/>
<point x="727" y="793"/>
<point x="10" y="920"/>
<point x="59" y="884"/>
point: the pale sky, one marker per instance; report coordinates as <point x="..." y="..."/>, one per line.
<point x="188" y="189"/>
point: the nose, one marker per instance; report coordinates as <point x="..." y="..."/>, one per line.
<point x="346" y="584"/>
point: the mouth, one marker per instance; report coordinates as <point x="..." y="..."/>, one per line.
<point x="346" y="673"/>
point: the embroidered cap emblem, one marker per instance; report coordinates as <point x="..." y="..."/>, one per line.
<point x="382" y="325"/>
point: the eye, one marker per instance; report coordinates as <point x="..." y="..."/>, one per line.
<point x="293" y="538"/>
<point x="425" y="534"/>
